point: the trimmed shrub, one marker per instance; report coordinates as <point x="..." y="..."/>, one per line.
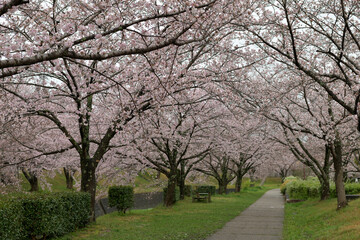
<point x="314" y="190"/>
<point x="352" y="188"/>
<point x="177" y="193"/>
<point x="55" y="214"/>
<point x="311" y="188"/>
<point x="121" y="197"/>
<point x="296" y="190"/>
<point x="11" y="219"/>
<point x="303" y="189"/>
<point x="206" y="189"/>
<point x="44" y="215"/>
<point x="188" y="190"/>
<point x="286" y="181"/>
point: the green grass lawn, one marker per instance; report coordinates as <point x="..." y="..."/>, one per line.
<point x="314" y="219"/>
<point x="185" y="220"/>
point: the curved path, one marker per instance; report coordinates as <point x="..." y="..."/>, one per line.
<point x="263" y="220"/>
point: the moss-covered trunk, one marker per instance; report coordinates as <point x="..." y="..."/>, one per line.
<point x="340" y="188"/>
<point x="88" y="182"/>
<point x="238" y="183"/>
<point x="32" y="179"/>
<point x="182" y="189"/>
<point x="324" y="189"/>
<point x="170" y="197"/>
<point x="181" y="180"/>
<point x="69" y="178"/>
<point x="222" y="187"/>
<point x="34" y="184"/>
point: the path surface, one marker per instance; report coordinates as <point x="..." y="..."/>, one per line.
<point x="263" y="220"/>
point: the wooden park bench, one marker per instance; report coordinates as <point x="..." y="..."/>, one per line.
<point x="206" y="197"/>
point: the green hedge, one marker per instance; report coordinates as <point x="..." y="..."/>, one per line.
<point x="286" y="181"/>
<point x="177" y="193"/>
<point x="206" y="189"/>
<point x="121" y="197"/>
<point x="303" y="189"/>
<point x="310" y="188"/>
<point x="350" y="188"/>
<point x="11" y="216"/>
<point x="46" y="215"/>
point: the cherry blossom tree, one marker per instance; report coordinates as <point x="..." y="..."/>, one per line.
<point x="319" y="40"/>
<point x="79" y="59"/>
<point x="219" y="166"/>
<point x="172" y="142"/>
<point x="28" y="147"/>
<point x="243" y="165"/>
<point x="284" y="162"/>
<point x="50" y="30"/>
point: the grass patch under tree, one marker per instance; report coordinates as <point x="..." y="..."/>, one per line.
<point x="185" y="220"/>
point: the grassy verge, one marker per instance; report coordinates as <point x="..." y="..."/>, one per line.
<point x="313" y="219"/>
<point x="185" y="220"/>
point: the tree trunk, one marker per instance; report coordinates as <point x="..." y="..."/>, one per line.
<point x="70" y="183"/>
<point x="238" y="184"/>
<point x="252" y="177"/>
<point x="340" y="188"/>
<point x="325" y="179"/>
<point x="69" y="178"/>
<point x="32" y="179"/>
<point x="34" y="183"/>
<point x="170" y="197"/>
<point x="88" y="183"/>
<point x="182" y="189"/>
<point x="324" y="189"/>
<point x="283" y="174"/>
<point x="222" y="187"/>
<point x="182" y="181"/>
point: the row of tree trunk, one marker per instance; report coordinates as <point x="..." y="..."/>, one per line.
<point x="33" y="179"/>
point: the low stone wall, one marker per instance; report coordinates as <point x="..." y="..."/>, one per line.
<point x="141" y="201"/>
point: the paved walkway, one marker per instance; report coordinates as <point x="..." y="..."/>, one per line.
<point x="263" y="220"/>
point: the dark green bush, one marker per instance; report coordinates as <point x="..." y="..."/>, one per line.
<point x="11" y="219"/>
<point x="55" y="214"/>
<point x="121" y="197"/>
<point x="188" y="190"/>
<point x="177" y="193"/>
<point x="352" y="188"/>
<point x="206" y="189"/>
<point x="46" y="215"/>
